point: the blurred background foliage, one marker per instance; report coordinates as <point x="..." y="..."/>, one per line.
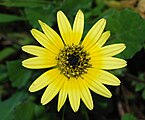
<point x="125" y="20"/>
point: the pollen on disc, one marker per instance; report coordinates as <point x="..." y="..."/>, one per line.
<point x="73" y="61"/>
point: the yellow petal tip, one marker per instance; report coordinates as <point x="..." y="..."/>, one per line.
<point x="58" y="109"/>
<point x="42" y="102"/>
<point x="33" y="31"/>
<point x="40" y="22"/>
<point x="103" y="19"/>
<point x="124" y="46"/>
<point x="108" y="32"/>
<point x="125" y="64"/>
<point x="75" y="110"/>
<point x="80" y="11"/>
<point x="59" y="12"/>
<point x="23" y="48"/>
<point x="117" y="84"/>
<point x="91" y="108"/>
<point x="109" y="95"/>
<point x="23" y="63"/>
<point x="31" y="88"/>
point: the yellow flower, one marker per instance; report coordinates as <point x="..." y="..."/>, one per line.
<point x="76" y="66"/>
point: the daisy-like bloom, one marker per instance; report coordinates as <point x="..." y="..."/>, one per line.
<point x="75" y="66"/>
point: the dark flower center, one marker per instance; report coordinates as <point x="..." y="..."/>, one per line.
<point x="73" y="61"/>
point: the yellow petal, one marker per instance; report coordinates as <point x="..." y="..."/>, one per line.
<point x="44" y="80"/>
<point x="37" y="51"/>
<point x="64" y="28"/>
<point x="52" y="90"/>
<point x="109" y="50"/>
<point x="97" y="87"/>
<point x="78" y="27"/>
<point x="62" y="95"/>
<point x="102" y="40"/>
<point x="114" y="49"/>
<point x="52" y="36"/>
<point x="74" y="94"/>
<point x="94" y="34"/>
<point x="107" y="63"/>
<point x="39" y="62"/>
<point x="102" y="76"/>
<point x="43" y="40"/>
<point x="85" y="94"/>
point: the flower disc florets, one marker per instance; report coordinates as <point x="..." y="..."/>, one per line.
<point x="73" y="61"/>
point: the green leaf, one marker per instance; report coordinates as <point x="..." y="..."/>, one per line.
<point x="18" y="75"/>
<point x="84" y="112"/>
<point x="126" y="27"/>
<point x="39" y="109"/>
<point x="9" y="18"/>
<point x="143" y="94"/>
<point x="119" y="72"/>
<point x="128" y="116"/>
<point x="6" y="52"/>
<point x="7" y="107"/>
<point x="3" y="72"/>
<point x="47" y="15"/>
<point x="75" y="5"/>
<point x="26" y="3"/>
<point x="24" y="111"/>
<point x="141" y="76"/>
<point x="52" y="116"/>
<point x="22" y="39"/>
<point x="100" y="102"/>
<point x="139" y="87"/>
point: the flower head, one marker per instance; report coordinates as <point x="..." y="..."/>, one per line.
<point x="76" y="66"/>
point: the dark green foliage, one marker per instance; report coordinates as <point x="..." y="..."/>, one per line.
<point x="18" y="75"/>
<point x="18" y="17"/>
<point x="128" y="116"/>
<point x="126" y="27"/>
<point x="7" y="107"/>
